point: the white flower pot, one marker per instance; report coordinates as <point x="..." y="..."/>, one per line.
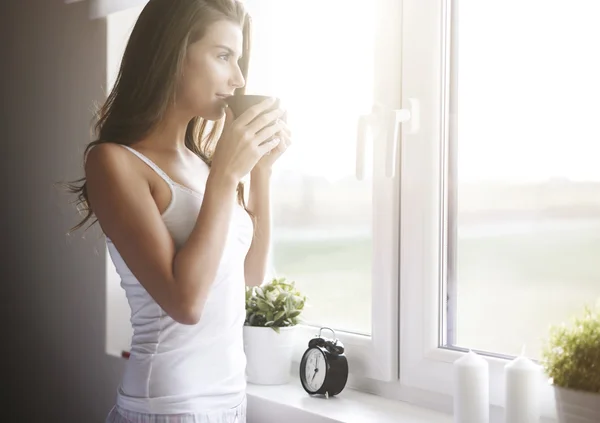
<point x="268" y="354"/>
<point x="576" y="406"/>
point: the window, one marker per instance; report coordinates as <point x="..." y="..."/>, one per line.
<point x="524" y="222"/>
<point x="322" y="214"/>
<point x="500" y="209"/>
<point x="335" y="213"/>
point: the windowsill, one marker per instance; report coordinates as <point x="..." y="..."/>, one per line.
<point x="290" y="403"/>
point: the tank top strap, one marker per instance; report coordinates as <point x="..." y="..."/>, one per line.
<point x="153" y="165"/>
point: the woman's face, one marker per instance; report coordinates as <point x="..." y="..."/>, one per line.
<point x="211" y="72"/>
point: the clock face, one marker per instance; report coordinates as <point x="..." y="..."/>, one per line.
<point x="315" y="370"/>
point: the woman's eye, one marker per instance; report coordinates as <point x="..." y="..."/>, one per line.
<point x="224" y="57"/>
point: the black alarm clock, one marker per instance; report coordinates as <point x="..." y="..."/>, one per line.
<point x="324" y="367"/>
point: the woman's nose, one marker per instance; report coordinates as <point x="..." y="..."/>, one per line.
<point x="238" y="81"/>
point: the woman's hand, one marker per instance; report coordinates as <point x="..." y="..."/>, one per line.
<point x="245" y="140"/>
<point x="267" y="161"/>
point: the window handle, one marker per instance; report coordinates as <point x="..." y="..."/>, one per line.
<point x="377" y="121"/>
<point x="395" y="119"/>
<point x="365" y="122"/>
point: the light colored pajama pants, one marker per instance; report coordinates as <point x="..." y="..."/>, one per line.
<point x="233" y="415"/>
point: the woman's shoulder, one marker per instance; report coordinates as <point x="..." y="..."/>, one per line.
<point x="108" y="160"/>
<point x="104" y="151"/>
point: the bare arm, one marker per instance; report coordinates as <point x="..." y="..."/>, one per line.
<point x="179" y="281"/>
<point x="255" y="265"/>
<point x="122" y="202"/>
<point x="195" y="265"/>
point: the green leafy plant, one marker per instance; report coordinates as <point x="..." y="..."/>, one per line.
<point x="571" y="354"/>
<point x="275" y="304"/>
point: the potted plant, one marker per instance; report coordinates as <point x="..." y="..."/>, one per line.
<point x="272" y="313"/>
<point x="571" y="358"/>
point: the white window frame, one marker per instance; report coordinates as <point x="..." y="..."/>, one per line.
<point x="375" y="356"/>
<point x="427" y="76"/>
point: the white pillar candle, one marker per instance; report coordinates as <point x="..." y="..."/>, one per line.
<point x="522" y="391"/>
<point x="471" y="389"/>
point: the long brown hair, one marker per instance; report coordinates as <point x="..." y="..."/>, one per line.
<point x="146" y="83"/>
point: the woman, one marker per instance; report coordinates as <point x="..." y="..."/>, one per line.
<point x="162" y="179"/>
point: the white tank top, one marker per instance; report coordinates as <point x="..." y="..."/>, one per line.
<point x="175" y="368"/>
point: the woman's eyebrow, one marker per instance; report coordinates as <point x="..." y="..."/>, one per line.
<point x="229" y="50"/>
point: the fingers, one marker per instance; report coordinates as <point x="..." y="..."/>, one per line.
<point x="252" y="112"/>
<point x="267" y="133"/>
<point x="282" y="145"/>
<point x="285" y="128"/>
<point x="265" y="120"/>
<point x="266" y="147"/>
<point x="286" y="141"/>
<point x="279" y="127"/>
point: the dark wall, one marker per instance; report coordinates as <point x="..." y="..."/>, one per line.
<point x="53" y="69"/>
